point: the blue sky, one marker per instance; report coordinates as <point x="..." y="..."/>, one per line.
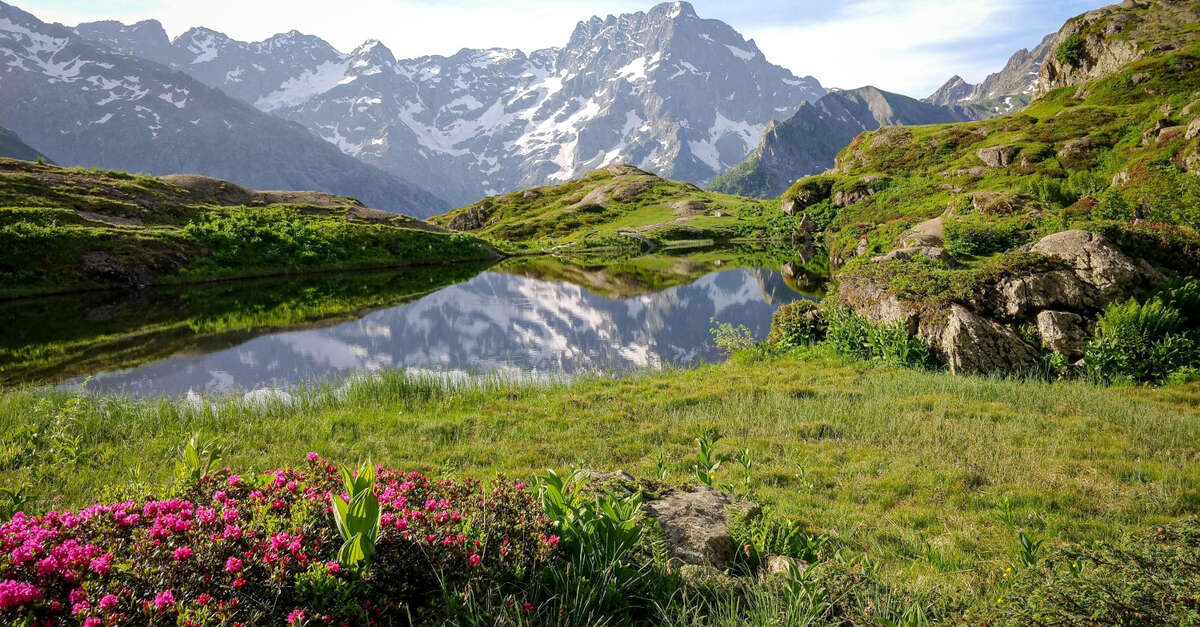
<point x="907" y="46"/>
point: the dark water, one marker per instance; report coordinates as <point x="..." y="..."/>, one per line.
<point x="494" y="322"/>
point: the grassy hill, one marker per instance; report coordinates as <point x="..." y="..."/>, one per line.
<point x="65" y="229"/>
<point x="615" y="206"/>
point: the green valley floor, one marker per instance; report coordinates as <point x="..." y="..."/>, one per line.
<point x="929" y="475"/>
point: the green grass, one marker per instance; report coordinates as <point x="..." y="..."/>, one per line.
<point x="928" y="474"/>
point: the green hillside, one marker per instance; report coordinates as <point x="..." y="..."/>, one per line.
<point x="616" y="206"/>
<point x="66" y="229"/>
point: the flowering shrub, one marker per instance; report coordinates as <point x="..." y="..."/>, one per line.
<point x="227" y="549"/>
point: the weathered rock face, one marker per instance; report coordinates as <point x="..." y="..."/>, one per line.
<point x="997" y="156"/>
<point x="972" y="344"/>
<point x="1099" y="263"/>
<point x="1110" y="35"/>
<point x="866" y="187"/>
<point x="694" y="524"/>
<point x="471" y="219"/>
<point x="1020" y="296"/>
<point x="808" y="193"/>
<point x="1065" y="332"/>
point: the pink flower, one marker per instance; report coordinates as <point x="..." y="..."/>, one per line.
<point x="296" y="616"/>
<point x="109" y="601"/>
<point x="475" y="560"/>
<point x="102" y="565"/>
<point x="182" y="553"/>
<point x="239" y="582"/>
<point x="528" y="606"/>
<point x="233" y="565"/>
<point x="77" y="595"/>
<point x="334" y="567"/>
<point x="312" y="457"/>
<point x="203" y="599"/>
<point x="234" y="480"/>
<point x="164" y="599"/>
<point x="92" y="621"/>
<point x="232" y="532"/>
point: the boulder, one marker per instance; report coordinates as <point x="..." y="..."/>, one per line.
<point x="1020" y="296"/>
<point x="807" y="192"/>
<point x="972" y="344"/>
<point x="1140" y="77"/>
<point x="530" y="194"/>
<point x="1193" y="130"/>
<point x="1099" y="263"/>
<point x="1064" y="332"/>
<point x="861" y="190"/>
<point x="927" y="233"/>
<point x="997" y="156"/>
<point x="933" y="253"/>
<point x="781" y="566"/>
<point x="693" y="522"/>
<point x="870" y="300"/>
<point x="1075" y="149"/>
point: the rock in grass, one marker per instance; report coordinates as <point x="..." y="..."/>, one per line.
<point x="973" y="344"/>
<point x="693" y="522"/>
<point x="781" y="566"/>
<point x="997" y="156"/>
<point x="1064" y="332"/>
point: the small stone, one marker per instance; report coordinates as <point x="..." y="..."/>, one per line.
<point x="997" y="156"/>
<point x="781" y="566"/>
<point x="1064" y="332"/>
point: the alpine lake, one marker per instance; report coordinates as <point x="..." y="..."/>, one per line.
<point x="536" y="317"/>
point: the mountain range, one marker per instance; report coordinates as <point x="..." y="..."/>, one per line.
<point x="807" y="142"/>
<point x="663" y="89"/>
<point x="82" y="103"/>
<point x="666" y="90"/>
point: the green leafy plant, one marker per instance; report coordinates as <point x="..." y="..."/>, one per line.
<point x="601" y="524"/>
<point x="731" y="339"/>
<point x="794" y="325"/>
<point x="1029" y="550"/>
<point x="759" y="534"/>
<point x="357" y="519"/>
<point x="13" y="500"/>
<point x="1142" y="342"/>
<point x="197" y="459"/>
<point x="855" y="336"/>
<point x="707" y="463"/>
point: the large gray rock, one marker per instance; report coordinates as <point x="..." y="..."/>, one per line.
<point x="997" y="156"/>
<point x="694" y="524"/>
<point x="1193" y="130"/>
<point x="933" y="253"/>
<point x="927" y="233"/>
<point x="1064" y="332"/>
<point x="1020" y="296"/>
<point x="972" y="344"/>
<point x="1099" y="263"/>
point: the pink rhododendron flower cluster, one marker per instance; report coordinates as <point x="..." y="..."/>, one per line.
<point x="230" y="548"/>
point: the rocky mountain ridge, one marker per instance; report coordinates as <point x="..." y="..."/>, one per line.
<point x="807" y="142"/>
<point x="84" y="103"/>
<point x="663" y="89"/>
<point x="1002" y="92"/>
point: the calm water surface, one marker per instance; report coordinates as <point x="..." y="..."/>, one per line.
<point x="494" y="322"/>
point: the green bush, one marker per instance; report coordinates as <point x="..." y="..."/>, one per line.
<point x="1085" y="184"/>
<point x="1144" y="579"/>
<point x="1143" y="342"/>
<point x="970" y="237"/>
<point x="794" y="325"/>
<point x="1048" y="191"/>
<point x="1071" y="51"/>
<point x="855" y="336"/>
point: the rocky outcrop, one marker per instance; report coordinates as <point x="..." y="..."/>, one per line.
<point x="694" y="524"/>
<point x="972" y="344"/>
<point x="1106" y="39"/>
<point x="471" y="219"/>
<point x="861" y="190"/>
<point x="930" y="233"/>
<point x="1063" y="294"/>
<point x="1064" y="332"/>
<point x="1099" y="263"/>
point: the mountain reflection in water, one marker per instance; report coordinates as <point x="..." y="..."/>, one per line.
<point x="510" y="324"/>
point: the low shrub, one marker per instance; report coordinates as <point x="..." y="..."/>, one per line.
<point x="1071" y="51"/>
<point x="796" y="324"/>
<point x="973" y="237"/>
<point x="1143" y="579"/>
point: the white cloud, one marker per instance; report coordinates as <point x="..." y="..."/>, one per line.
<point x="909" y="47"/>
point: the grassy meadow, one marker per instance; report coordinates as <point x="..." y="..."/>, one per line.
<point x="931" y="477"/>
